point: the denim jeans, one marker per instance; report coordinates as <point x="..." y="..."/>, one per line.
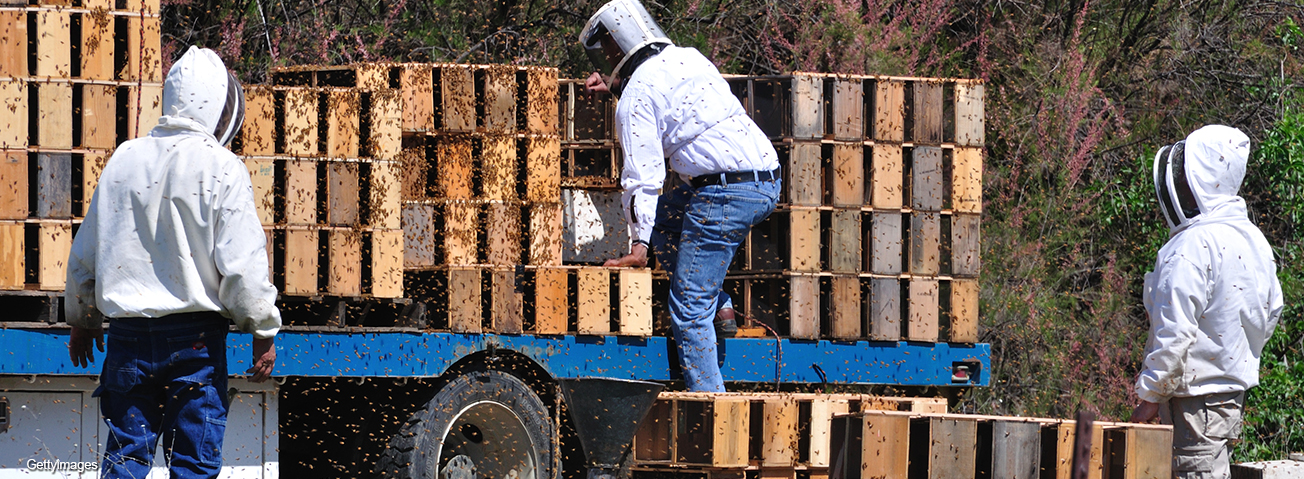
<point x="696" y="234"/>
<point x="164" y="376"/>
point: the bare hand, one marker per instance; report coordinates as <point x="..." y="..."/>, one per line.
<point x="637" y="257"/>
<point x="264" y="360"/>
<point x="1145" y="412"/>
<point x="594" y="84"/>
<point x="79" y="345"/>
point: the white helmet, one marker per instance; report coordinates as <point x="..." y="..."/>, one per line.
<point x="616" y="33"/>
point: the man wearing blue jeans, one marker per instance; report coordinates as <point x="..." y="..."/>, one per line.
<point x="171" y="251"/>
<point x="674" y="105"/>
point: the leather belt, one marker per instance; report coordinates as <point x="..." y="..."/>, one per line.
<point x="727" y="179"/>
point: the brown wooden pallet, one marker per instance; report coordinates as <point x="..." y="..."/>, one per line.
<point x="313" y="261"/>
<point x="34" y="254"/>
<point x="449" y="97"/>
<point x="444" y="232"/>
<point x="79" y="43"/>
<point x="75" y="114"/>
<point x="482" y="166"/>
<point x="319" y="123"/>
<point x="149" y="7"/>
<point x="547" y="300"/>
<point x="901" y="445"/>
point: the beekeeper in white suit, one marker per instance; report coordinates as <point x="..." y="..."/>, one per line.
<point x="1213" y="301"/>
<point x="171" y="251"/>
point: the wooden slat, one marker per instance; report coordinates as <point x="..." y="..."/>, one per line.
<point x="454" y="167"/>
<point x="967" y="180"/>
<point x="927" y="112"/>
<point x="653" y="439"/>
<point x="883" y="307"/>
<point x="885" y="446"/>
<point x="345" y="256"/>
<point x="541" y="100"/>
<point x="546" y="234"/>
<point x="387" y="263"/>
<point x="385" y="196"/>
<point x="144" y="106"/>
<point x="884" y="243"/>
<point x="542" y="169"/>
<point x="262" y="174"/>
<point x="964" y="310"/>
<point x="375" y="76"/>
<point x="53" y="43"/>
<point x="506" y="303"/>
<point x="143" y="6"/>
<point x="926" y="178"/>
<point x="847" y="177"/>
<point x="301" y="192"/>
<point x="457" y="92"/>
<point x="923" y="310"/>
<point x="54" y="185"/>
<point x="13" y="185"/>
<point x="13" y="44"/>
<point x="635" y="302"/>
<point x="419" y="236"/>
<point x="342" y="193"/>
<point x="844" y="308"/>
<point x="93" y="163"/>
<point x="952" y="447"/>
<point x="848" y="109"/>
<point x="386" y="117"/>
<point x="97" y="52"/>
<point x="54" y="245"/>
<point x="54" y="119"/>
<point x="886" y="176"/>
<point x="416" y="84"/>
<point x="730" y="421"/>
<point x="1149" y="454"/>
<point x="144" y="62"/>
<point x="498" y="167"/>
<point x="301" y="122"/>
<point x="343" y="120"/>
<point x="13" y="114"/>
<point x="503" y="234"/>
<point x="804" y="247"/>
<point x="805" y="182"/>
<point x="889" y="110"/>
<point x="461" y="232"/>
<point x="300" y="262"/>
<point x="779" y="438"/>
<point x="844" y="241"/>
<point x="969" y="116"/>
<point x="966" y="250"/>
<point x="821" y="421"/>
<point x="593" y="308"/>
<point x="99" y="113"/>
<point x="803" y="307"/>
<point x="258" y="134"/>
<point x="551" y="289"/>
<point x="925" y="243"/>
<point x="13" y="259"/>
<point x="464" y="288"/>
<point x="807" y="108"/>
<point x="499" y="99"/>
<point x="1016" y="448"/>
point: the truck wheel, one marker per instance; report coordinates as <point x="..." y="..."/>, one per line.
<point x="482" y="424"/>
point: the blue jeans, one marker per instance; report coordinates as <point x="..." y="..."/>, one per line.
<point x="164" y="376"/>
<point x="696" y="234"/>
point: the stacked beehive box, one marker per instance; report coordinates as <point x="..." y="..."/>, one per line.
<point x="876" y="236"/>
<point x="480" y="173"/>
<point x="719" y="435"/>
<point x="76" y="79"/>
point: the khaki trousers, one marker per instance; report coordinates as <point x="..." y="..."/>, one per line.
<point x="1203" y="428"/>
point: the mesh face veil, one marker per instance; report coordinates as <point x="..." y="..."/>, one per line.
<point x="616" y="32"/>
<point x="232" y="112"/>
<point x="1176" y="199"/>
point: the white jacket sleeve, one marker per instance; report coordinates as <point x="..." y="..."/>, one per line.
<point x="240" y="253"/>
<point x="79" y="305"/>
<point x="644" y="171"/>
<point x="1175" y="302"/>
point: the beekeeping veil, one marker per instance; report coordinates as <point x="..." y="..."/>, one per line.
<point x="200" y="94"/>
<point x="1201" y="173"/>
<point x="618" y="37"/>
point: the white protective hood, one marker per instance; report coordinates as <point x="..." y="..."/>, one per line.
<point x="199" y="94"/>
<point x="1201" y="174"/>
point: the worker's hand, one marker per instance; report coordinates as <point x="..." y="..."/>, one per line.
<point x="264" y="360"/>
<point x="595" y="84"/>
<point x="637" y="257"/>
<point x="79" y="345"/>
<point x="1145" y="412"/>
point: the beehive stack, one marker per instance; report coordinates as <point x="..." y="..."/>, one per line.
<point x="792" y="435"/>
<point x="75" y="81"/>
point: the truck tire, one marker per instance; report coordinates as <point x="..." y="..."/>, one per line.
<point x="484" y="424"/>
